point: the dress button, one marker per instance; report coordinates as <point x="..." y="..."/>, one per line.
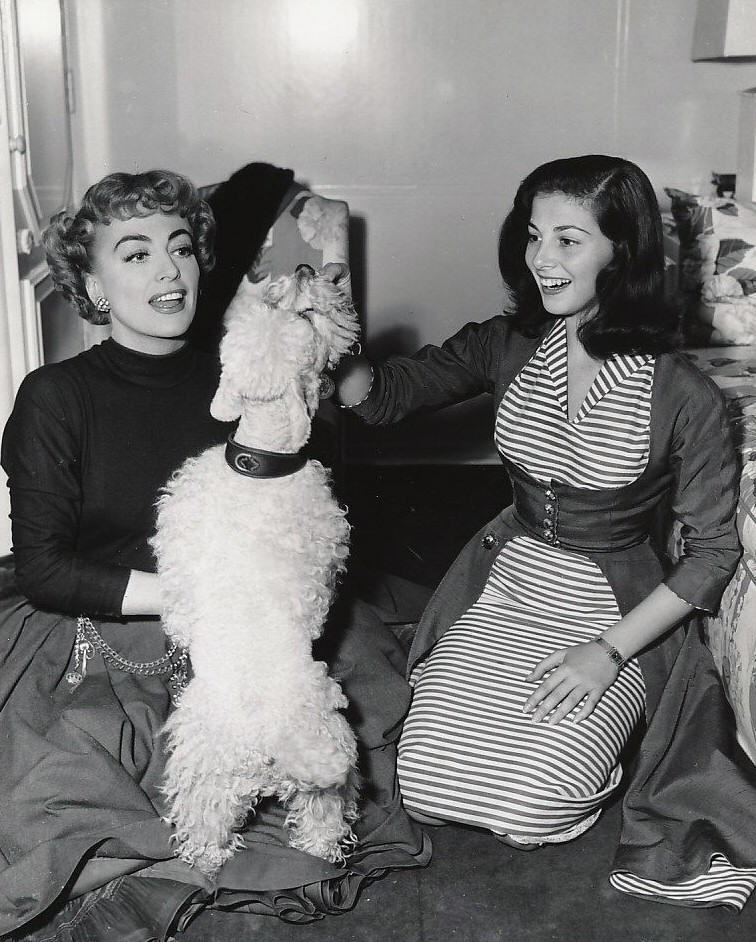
<point x="549" y="509"/>
<point x="490" y="540"/>
<point x="550" y="495"/>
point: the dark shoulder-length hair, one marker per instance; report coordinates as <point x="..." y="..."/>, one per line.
<point x="632" y="315"/>
<point x="69" y="237"/>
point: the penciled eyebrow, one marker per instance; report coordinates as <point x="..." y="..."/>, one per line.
<point x="561" y="228"/>
<point x="139" y="237"/>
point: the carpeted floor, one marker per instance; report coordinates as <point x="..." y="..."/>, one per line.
<point x="477" y="890"/>
<point x="412" y="521"/>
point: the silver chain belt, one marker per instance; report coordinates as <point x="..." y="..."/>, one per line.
<point x="89" y="640"/>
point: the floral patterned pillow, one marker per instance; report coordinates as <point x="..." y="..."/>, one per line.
<point x="717" y="267"/>
<point x="311" y="230"/>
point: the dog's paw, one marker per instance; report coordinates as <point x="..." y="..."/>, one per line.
<point x="319" y="823"/>
<point x="207" y="857"/>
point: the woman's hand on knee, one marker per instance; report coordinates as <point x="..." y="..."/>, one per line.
<point x="578" y="675"/>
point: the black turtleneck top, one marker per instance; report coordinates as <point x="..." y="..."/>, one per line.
<point x="87" y="447"/>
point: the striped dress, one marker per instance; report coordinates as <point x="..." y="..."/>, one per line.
<point x="468" y="753"/>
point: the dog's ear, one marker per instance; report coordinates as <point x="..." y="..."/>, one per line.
<point x="227" y="402"/>
<point x="282" y="291"/>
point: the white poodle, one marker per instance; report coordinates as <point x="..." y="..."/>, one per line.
<point x="249" y="544"/>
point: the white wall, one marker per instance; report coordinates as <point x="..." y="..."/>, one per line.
<point x="423" y="114"/>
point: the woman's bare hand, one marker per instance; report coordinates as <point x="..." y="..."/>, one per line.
<point x="579" y="674"/>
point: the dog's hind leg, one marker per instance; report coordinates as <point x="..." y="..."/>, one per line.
<point x="209" y="791"/>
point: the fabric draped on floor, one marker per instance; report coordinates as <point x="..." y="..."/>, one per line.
<point x="81" y="779"/>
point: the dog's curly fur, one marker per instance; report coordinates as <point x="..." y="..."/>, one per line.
<point x="248" y="567"/>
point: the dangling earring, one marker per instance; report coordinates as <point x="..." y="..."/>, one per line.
<point x="103" y="305"/>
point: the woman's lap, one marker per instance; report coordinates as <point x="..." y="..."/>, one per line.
<point x="84" y="767"/>
<point x="469" y="753"/>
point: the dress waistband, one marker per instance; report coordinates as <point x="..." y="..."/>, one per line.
<point x="578" y="518"/>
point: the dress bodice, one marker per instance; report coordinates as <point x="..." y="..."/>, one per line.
<point x="606" y="445"/>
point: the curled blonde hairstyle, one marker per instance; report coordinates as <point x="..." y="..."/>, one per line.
<point x="68" y="239"/>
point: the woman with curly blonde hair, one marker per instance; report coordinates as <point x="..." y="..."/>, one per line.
<point x="88" y="678"/>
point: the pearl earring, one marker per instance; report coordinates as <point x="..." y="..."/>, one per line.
<point x="103" y="305"/>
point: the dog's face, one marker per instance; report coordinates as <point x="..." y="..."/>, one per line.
<point x="279" y="346"/>
<point x="323" y="304"/>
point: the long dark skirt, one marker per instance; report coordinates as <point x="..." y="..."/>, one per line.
<point x="80" y="774"/>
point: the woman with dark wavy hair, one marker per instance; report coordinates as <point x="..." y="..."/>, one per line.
<point x="88" y="679"/>
<point x="561" y="628"/>
<point x="632" y="316"/>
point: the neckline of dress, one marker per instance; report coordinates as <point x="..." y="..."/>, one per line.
<point x="614" y="370"/>
<point x="156" y="371"/>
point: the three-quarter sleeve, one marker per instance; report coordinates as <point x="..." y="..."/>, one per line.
<point x="704" y="498"/>
<point x="42" y="457"/>
<point x="434" y="377"/>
